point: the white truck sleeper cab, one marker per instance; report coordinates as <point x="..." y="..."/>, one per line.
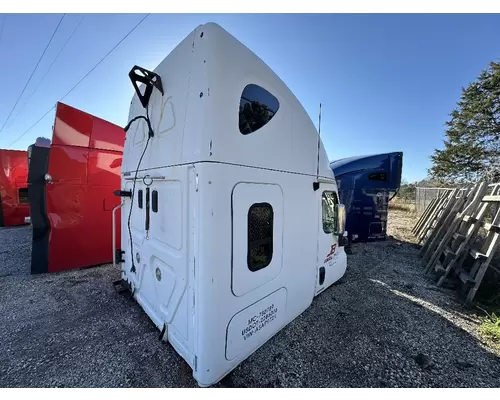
<point x="230" y="216"/>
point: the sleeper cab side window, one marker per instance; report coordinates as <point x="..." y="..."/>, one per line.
<point x="378" y="176"/>
<point x="260" y="236"/>
<point x="329" y="200"/>
<point x="257" y="108"/>
<point x="23" y="196"/>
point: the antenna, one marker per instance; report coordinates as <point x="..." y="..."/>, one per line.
<point x="319" y="136"/>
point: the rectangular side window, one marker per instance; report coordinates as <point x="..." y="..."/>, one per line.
<point x="378" y="176"/>
<point x="23" y="196"/>
<point x="260" y="236"/>
<point x="329" y="200"/>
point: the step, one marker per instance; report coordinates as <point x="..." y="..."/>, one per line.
<point x="439" y="268"/>
<point x="476" y="254"/>
<point x="491" y="198"/>
<point x="449" y="251"/>
<point x="457" y="235"/>
<point x="491" y="227"/>
<point x="465" y="277"/>
<point x="470" y="218"/>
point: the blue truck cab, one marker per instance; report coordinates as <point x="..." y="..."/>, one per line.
<point x="366" y="184"/>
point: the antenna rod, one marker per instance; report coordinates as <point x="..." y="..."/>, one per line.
<point x="319" y="134"/>
<point x="319" y="123"/>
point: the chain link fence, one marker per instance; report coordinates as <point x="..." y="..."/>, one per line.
<point x="424" y="195"/>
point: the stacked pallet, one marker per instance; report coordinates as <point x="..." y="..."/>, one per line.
<point x="457" y="239"/>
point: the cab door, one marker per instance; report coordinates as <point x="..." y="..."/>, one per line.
<point x="257" y="217"/>
<point x="331" y="262"/>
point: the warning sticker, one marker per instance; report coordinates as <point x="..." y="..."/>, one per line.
<point x="256" y="323"/>
<point x="259" y="321"/>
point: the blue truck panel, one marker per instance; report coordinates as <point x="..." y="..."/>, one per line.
<point x="366" y="184"/>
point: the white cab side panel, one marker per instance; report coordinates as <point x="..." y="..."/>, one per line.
<point x="216" y="304"/>
<point x="167" y="114"/>
<point x="288" y="142"/>
<point x="163" y="255"/>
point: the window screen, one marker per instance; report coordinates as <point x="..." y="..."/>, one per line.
<point x="329" y="217"/>
<point x="260" y="236"/>
<point x="257" y="108"/>
<point x="23" y="196"/>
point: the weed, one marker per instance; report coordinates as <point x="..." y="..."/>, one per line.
<point x="490" y="328"/>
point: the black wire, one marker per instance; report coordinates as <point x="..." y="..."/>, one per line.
<point x="50" y="67"/>
<point x="141" y="117"/>
<point x="81" y="80"/>
<point x="150" y="135"/>
<point x="3" y="26"/>
<point x="33" y="72"/>
<point x="394" y="195"/>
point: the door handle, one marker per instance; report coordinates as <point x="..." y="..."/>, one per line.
<point x="49" y="180"/>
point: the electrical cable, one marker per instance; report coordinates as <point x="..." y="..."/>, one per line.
<point x="394" y="195"/>
<point x="3" y="25"/>
<point x="150" y="135"/>
<point x="50" y="67"/>
<point x="33" y="72"/>
<point x="81" y="80"/>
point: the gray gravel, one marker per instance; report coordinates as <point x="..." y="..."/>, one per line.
<point x="15" y="251"/>
<point x="382" y="325"/>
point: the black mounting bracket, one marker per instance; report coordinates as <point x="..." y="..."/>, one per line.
<point x="122" y="287"/>
<point x="119" y="256"/>
<point x="123" y="193"/>
<point x="148" y="78"/>
<point x="343" y="241"/>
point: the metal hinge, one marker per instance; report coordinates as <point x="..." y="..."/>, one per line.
<point x="163" y="332"/>
<point x="119" y="256"/>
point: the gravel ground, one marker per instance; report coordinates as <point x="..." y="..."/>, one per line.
<point x="383" y="325"/>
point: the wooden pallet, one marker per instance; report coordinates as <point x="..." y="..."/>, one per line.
<point x="448" y="229"/>
<point x="447" y="218"/>
<point x="429" y="216"/>
<point x="456" y="237"/>
<point x="482" y="257"/>
<point x="425" y="216"/>
<point x="434" y="213"/>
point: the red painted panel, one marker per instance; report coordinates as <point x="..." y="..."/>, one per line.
<point x="104" y="167"/>
<point x="13" y="176"/>
<point x="107" y="136"/>
<point x="72" y="127"/>
<point x="65" y="200"/>
<point x="80" y="201"/>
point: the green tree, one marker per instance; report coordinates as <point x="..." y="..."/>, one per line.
<point x="472" y="144"/>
